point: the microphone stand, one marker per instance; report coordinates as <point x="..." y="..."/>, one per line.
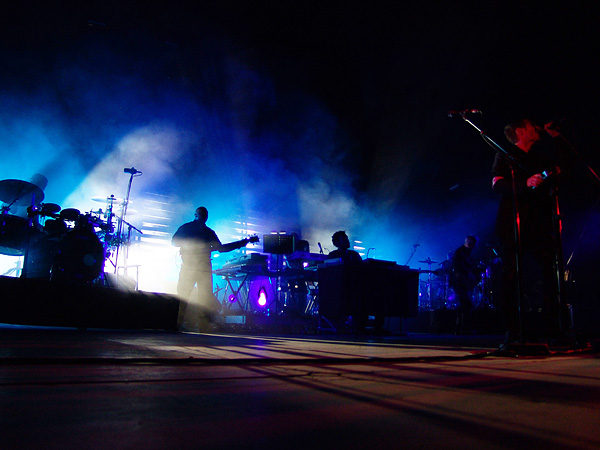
<point x="557" y="223"/>
<point x="127" y="242"/>
<point x="576" y="153"/>
<point x="120" y="224"/>
<point x="409" y="258"/>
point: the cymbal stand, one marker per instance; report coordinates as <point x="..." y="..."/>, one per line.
<point x="109" y="239"/>
<point x="30" y="226"/>
<point x="427" y="303"/>
<point x="560" y="266"/>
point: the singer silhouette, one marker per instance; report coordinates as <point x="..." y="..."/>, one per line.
<point x="534" y="153"/>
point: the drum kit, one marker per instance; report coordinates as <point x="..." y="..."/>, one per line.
<point x="56" y="243"/>
<point x="435" y="291"/>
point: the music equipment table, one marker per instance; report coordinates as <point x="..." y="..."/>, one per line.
<point x="372" y="287"/>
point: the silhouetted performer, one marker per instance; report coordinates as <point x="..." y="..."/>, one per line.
<point x="463" y="279"/>
<point x="540" y="166"/>
<point x="342" y="243"/>
<point x="197" y="242"/>
<point x="359" y="321"/>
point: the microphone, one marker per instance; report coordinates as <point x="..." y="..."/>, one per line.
<point x="555" y="124"/>
<point x="131" y="171"/>
<point x="320" y="248"/>
<point x="462" y="113"/>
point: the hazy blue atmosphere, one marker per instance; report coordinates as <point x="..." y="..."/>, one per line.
<point x="296" y="115"/>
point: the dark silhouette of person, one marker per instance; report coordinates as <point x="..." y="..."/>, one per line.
<point x="463" y="279"/>
<point x="360" y="320"/>
<point x="540" y="161"/>
<point x="342" y="251"/>
<point x="197" y="242"/>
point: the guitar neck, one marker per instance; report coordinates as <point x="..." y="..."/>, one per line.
<point x="236" y="244"/>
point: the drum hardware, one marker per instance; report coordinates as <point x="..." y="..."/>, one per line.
<point x="115" y="239"/>
<point x="111" y="202"/>
<point x="429" y="261"/>
<point x="433" y="294"/>
<point x="49" y="209"/>
<point x="426" y="303"/>
<point x="70" y="214"/>
<point x="125" y="203"/>
<point x="55" y="227"/>
<point x="109" y="213"/>
<point x="111" y="199"/>
<point x="43" y="210"/>
<point x="68" y="245"/>
<point x="484" y="292"/>
<point x="99" y="215"/>
<point x="22" y="193"/>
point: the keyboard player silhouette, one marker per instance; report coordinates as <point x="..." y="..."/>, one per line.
<point x="353" y="291"/>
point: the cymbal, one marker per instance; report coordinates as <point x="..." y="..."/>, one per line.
<point x="20" y="192"/>
<point x="117" y="211"/>
<point x="114" y="200"/>
<point x="428" y="261"/>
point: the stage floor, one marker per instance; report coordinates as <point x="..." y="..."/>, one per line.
<point x="120" y="389"/>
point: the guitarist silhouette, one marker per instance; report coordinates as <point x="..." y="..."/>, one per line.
<point x="196" y="242"/>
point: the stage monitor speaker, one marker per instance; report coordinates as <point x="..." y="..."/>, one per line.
<point x="59" y="304"/>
